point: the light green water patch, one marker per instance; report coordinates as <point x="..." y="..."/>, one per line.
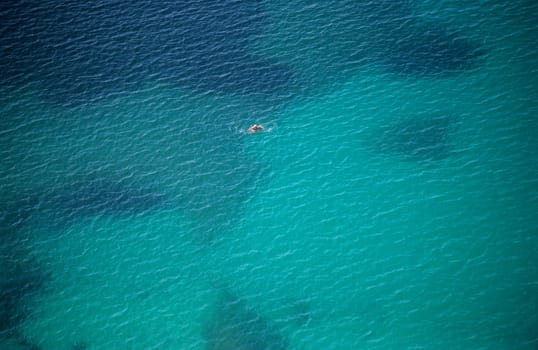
<point x="383" y="251"/>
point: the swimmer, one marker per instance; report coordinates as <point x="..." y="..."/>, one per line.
<point x="254" y="127"/>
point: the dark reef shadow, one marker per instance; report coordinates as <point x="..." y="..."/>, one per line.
<point x="66" y="204"/>
<point x="396" y="37"/>
<point x="389" y="34"/>
<point x="427" y="50"/>
<point x="14" y="214"/>
<point x="419" y="138"/>
<point x="234" y="326"/>
<point x="21" y="277"/>
<point x="101" y="197"/>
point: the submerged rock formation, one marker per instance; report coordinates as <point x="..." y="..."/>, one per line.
<point x="234" y="326"/>
<point x="389" y="33"/>
<point x="102" y="197"/>
<point x="20" y="276"/>
<point x="418" y="139"/>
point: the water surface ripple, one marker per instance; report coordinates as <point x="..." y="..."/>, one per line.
<point x="389" y="203"/>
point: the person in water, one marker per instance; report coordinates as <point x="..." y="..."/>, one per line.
<point x="254" y="128"/>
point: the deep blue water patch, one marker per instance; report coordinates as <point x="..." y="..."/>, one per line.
<point x="82" y="51"/>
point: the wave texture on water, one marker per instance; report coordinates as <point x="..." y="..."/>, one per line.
<point x="390" y="201"/>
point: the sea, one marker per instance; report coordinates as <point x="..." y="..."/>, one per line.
<point x="390" y="201"/>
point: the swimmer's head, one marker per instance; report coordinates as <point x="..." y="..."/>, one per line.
<point x="254" y="128"/>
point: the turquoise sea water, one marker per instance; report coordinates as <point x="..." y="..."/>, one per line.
<point x="381" y="208"/>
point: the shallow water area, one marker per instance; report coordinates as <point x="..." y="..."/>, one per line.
<point x="389" y="232"/>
